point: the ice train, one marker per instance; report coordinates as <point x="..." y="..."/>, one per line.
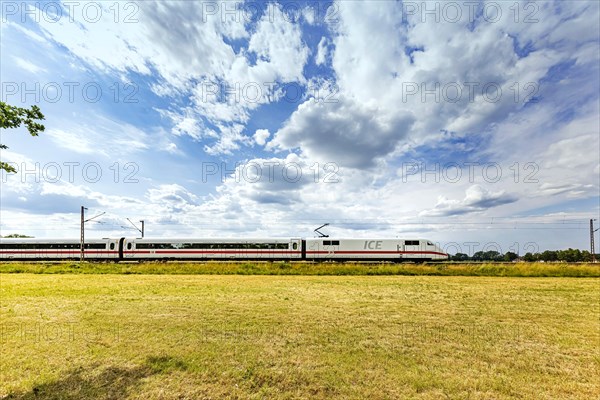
<point x="317" y="249"/>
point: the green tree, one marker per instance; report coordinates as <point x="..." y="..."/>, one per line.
<point x="586" y="256"/>
<point x="569" y="255"/>
<point x="460" y="257"/>
<point x="14" y="117"/>
<point x="549" y="255"/>
<point x="510" y="256"/>
<point x="491" y="255"/>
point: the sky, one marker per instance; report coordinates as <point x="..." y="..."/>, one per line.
<point x="471" y="124"/>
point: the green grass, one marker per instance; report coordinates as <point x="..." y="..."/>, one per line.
<point x="293" y="337"/>
<point x="303" y="268"/>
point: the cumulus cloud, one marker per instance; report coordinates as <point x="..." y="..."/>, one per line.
<point x="173" y="197"/>
<point x="344" y="132"/>
<point x="476" y="199"/>
<point x="204" y="67"/>
<point x="261" y="136"/>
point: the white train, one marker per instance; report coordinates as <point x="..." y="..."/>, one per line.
<point x="317" y="249"/>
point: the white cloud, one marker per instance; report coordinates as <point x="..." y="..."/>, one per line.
<point x="476" y="199"/>
<point x="84" y="137"/>
<point x="261" y="136"/>
<point x="77" y="142"/>
<point x="172" y="196"/>
<point x="28" y="66"/>
<point x="321" y="57"/>
<point x="230" y="138"/>
<point x="281" y="53"/>
<point x="326" y="132"/>
<point x="147" y="45"/>
<point x="172" y="148"/>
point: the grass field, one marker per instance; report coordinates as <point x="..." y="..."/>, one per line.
<point x="302" y="268"/>
<point x="68" y="336"/>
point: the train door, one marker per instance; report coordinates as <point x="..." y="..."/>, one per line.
<point x="125" y="248"/>
<point x="295" y="248"/>
<point x="400" y="249"/>
<point x="412" y="249"/>
<point x="312" y="249"/>
<point x="121" y="248"/>
<point x="128" y="249"/>
<point x="112" y="249"/>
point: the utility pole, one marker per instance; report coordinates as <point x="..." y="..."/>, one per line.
<point x="592" y="231"/>
<point x="82" y="233"/>
<point x="138" y="229"/>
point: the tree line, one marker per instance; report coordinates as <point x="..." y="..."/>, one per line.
<point x="569" y="255"/>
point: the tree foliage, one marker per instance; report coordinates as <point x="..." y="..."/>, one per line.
<point x="13" y="117"/>
<point x="569" y="255"/>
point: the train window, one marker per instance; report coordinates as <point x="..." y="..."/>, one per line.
<point x="295" y="246"/>
<point x="98" y="246"/>
<point x="214" y="246"/>
<point x="326" y="242"/>
<point x="335" y="242"/>
<point x="112" y="246"/>
<point x="128" y="246"/>
<point x="429" y="243"/>
<point x="411" y="242"/>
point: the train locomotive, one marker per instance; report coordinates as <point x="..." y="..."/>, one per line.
<point x="284" y="249"/>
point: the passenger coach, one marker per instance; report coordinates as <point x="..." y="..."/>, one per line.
<point x="373" y="249"/>
<point x="262" y="249"/>
<point x="58" y="249"/>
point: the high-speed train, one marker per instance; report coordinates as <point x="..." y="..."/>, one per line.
<point x="317" y="249"/>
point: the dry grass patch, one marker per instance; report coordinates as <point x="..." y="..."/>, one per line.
<point x="322" y="337"/>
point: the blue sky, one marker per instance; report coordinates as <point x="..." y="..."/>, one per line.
<point x="454" y="121"/>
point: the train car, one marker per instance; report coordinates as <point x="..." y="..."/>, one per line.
<point x="373" y="249"/>
<point x="58" y="249"/>
<point x="213" y="249"/>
